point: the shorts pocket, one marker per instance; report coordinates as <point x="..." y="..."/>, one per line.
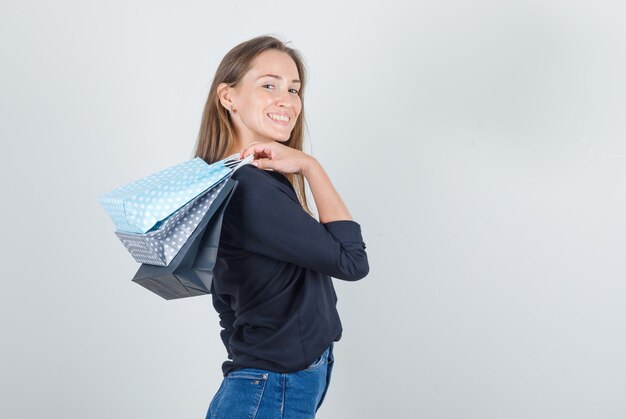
<point x="247" y="373"/>
<point x="242" y="393"/>
<point x="318" y="362"/>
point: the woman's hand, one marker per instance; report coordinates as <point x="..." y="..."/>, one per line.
<point x="276" y="156"/>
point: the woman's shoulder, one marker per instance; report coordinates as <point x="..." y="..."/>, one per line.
<point x="247" y="171"/>
<point x="257" y="186"/>
<point x="249" y="176"/>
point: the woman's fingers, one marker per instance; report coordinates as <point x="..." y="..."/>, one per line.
<point x="263" y="163"/>
<point x="260" y="151"/>
<point x="246" y="151"/>
<point x="275" y="156"/>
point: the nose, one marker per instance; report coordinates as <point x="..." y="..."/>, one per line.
<point x="286" y="100"/>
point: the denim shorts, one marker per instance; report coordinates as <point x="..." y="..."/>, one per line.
<point x="252" y="393"/>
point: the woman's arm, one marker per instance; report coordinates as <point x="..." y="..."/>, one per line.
<point x="263" y="217"/>
<point x="267" y="220"/>
<point x="329" y="204"/>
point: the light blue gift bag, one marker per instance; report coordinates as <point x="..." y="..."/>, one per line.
<point x="155" y="215"/>
<point x="142" y="205"/>
<point x="159" y="246"/>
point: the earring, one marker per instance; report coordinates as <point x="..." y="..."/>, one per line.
<point x="230" y="110"/>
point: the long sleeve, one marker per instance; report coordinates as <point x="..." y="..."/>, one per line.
<point x="227" y="317"/>
<point x="270" y="222"/>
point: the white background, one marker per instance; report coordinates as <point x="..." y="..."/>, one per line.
<point x="480" y="145"/>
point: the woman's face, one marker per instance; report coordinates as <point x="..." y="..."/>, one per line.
<point x="269" y="91"/>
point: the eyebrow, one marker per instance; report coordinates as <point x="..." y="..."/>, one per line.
<point x="277" y="77"/>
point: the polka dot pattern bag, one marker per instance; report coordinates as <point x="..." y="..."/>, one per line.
<point x="155" y="215"/>
<point x="160" y="246"/>
<point x="190" y="273"/>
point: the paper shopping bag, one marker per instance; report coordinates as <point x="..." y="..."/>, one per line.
<point x="159" y="247"/>
<point x="142" y="206"/>
<point x="190" y="273"/>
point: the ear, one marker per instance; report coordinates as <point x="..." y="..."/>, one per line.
<point x="224" y="93"/>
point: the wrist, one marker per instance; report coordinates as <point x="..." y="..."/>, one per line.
<point x="309" y="165"/>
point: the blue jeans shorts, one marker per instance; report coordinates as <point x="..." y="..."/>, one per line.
<point x="252" y="393"/>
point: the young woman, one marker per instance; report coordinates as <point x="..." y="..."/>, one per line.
<point x="272" y="285"/>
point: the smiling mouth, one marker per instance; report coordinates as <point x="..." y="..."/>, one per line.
<point x="279" y="122"/>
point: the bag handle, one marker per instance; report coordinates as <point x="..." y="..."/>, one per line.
<point x="233" y="162"/>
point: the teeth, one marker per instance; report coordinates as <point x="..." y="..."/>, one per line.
<point x="278" y="117"/>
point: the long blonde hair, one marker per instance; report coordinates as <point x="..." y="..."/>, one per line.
<point x="216" y="136"/>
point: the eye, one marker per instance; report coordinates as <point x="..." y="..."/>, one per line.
<point x="295" y="90"/>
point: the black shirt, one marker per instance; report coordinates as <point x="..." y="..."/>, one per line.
<point x="272" y="285"/>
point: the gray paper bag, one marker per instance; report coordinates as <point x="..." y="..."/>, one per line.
<point x="190" y="273"/>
